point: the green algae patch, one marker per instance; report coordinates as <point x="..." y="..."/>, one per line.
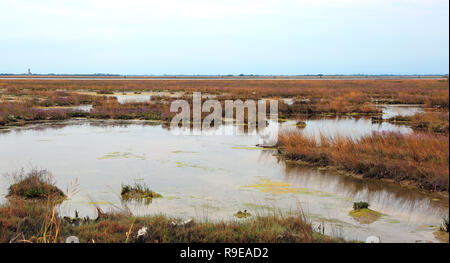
<point x="121" y="155"/>
<point x="35" y="185"/>
<point x="242" y="214"/>
<point x="442" y="236"/>
<point x="269" y="186"/>
<point x="204" y="168"/>
<point x="138" y="192"/>
<point x="365" y="215"/>
<point x="394" y="222"/>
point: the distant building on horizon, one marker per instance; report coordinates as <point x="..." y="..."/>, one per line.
<point x="29" y="71"/>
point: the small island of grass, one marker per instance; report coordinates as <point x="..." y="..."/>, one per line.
<point x="138" y="192"/>
<point x="36" y="184"/>
<point x="363" y="214"/>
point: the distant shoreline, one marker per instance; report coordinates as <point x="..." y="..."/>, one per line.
<point x="225" y="77"/>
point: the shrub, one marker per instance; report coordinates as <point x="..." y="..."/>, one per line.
<point x="360" y="205"/>
<point x="138" y="192"/>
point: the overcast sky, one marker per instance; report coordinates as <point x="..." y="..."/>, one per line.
<point x="225" y="37"/>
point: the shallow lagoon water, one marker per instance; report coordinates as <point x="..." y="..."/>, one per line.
<point x="212" y="177"/>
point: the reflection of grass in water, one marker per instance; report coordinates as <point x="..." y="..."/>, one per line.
<point x="242" y="214"/>
<point x="332" y="221"/>
<point x="210" y="207"/>
<point x="121" y="155"/>
<point x="269" y="186"/>
<point x="138" y="192"/>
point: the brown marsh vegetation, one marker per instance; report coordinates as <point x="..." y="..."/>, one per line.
<point x="21" y="99"/>
<point x="421" y="159"/>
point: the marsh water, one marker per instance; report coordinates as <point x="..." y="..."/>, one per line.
<point x="212" y="177"/>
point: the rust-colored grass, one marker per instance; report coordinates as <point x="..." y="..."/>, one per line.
<point x="419" y="158"/>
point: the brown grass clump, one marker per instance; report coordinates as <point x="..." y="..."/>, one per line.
<point x="37" y="184"/>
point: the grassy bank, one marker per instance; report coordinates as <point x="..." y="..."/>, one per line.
<point x="19" y="98"/>
<point x="422" y="159"/>
<point x="432" y="93"/>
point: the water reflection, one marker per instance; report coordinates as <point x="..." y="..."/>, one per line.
<point x="390" y="111"/>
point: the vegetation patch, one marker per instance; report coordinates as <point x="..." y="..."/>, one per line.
<point x="363" y="214"/>
<point x="242" y="214"/>
<point x="360" y="205"/>
<point x="105" y="92"/>
<point x="252" y="148"/>
<point x="138" y="192"/>
<point x="301" y="124"/>
<point x="269" y="186"/>
<point x="37" y="184"/>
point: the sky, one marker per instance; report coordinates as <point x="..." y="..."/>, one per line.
<point x="209" y="37"/>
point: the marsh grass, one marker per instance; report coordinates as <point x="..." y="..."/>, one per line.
<point x="422" y="159"/>
<point x="360" y="205"/>
<point x="320" y="98"/>
<point x="36" y="184"/>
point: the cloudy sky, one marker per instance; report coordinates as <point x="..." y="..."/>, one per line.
<point x="225" y="37"/>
